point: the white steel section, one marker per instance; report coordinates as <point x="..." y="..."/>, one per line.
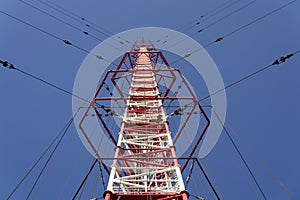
<point x="111" y="178"/>
<point x="144" y="163"/>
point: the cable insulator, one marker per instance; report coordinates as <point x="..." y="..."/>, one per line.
<point x="67" y="42"/>
<point x="186" y="55"/>
<point x="282" y="59"/>
<point x="276" y="62"/>
<point x="290" y="55"/>
<point x="188" y="179"/>
<point x="192" y="166"/>
<point x="7" y="64"/>
<point x="219" y="39"/>
<point x="4" y="63"/>
<point x="99" y="57"/>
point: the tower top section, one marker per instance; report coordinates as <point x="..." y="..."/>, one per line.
<point x="143" y="45"/>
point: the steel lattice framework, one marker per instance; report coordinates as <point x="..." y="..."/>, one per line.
<point x="145" y="165"/>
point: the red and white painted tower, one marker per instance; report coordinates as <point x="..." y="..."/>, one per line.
<point x="145" y="164"/>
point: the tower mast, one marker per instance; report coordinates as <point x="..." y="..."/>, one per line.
<point x="145" y="164"/>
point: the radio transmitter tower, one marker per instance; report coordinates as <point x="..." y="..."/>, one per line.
<point x="137" y="93"/>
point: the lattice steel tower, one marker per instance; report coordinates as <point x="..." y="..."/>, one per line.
<point x="145" y="164"/>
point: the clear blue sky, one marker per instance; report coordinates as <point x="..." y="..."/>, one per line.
<point x="264" y="110"/>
